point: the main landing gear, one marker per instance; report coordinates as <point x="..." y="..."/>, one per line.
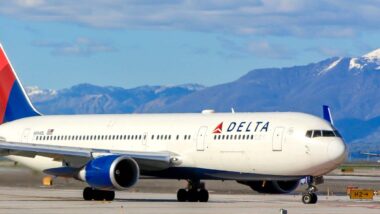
<point x="195" y="191"/>
<point x="310" y="197"/>
<point x="98" y="195"/>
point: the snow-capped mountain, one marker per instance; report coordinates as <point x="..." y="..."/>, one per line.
<point x="87" y="98"/>
<point x="369" y="61"/>
<point x="40" y="95"/>
<point x="350" y="85"/>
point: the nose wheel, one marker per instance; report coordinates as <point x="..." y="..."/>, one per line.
<point x="309" y="196"/>
<point x="195" y="192"/>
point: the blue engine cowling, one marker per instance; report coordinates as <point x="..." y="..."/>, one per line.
<point x="110" y="172"/>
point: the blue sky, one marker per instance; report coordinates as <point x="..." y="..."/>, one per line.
<point x="57" y="44"/>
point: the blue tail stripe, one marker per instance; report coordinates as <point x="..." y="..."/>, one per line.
<point x="18" y="106"/>
<point x="327" y="114"/>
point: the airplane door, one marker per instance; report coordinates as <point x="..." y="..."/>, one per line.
<point x="278" y="136"/>
<point x="201" y="138"/>
<point x="25" y="136"/>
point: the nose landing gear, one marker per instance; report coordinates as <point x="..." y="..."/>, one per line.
<point x="195" y="191"/>
<point x="309" y="196"/>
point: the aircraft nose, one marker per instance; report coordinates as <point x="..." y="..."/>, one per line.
<point x="337" y="151"/>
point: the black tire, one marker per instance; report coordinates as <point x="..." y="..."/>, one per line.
<point x="203" y="195"/>
<point x="98" y="195"/>
<point x="314" y="198"/>
<point x="307" y="198"/>
<point x="192" y="196"/>
<point x="87" y="194"/>
<point x="182" y="195"/>
<point x="109" y="195"/>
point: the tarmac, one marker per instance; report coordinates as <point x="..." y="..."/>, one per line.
<point x="48" y="200"/>
<point x="21" y="192"/>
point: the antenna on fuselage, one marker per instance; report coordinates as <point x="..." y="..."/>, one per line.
<point x="232" y="110"/>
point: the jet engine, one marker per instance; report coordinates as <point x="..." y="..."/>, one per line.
<point x="272" y="187"/>
<point x="110" y="172"/>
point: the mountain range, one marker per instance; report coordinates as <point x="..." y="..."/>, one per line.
<point x="349" y="85"/>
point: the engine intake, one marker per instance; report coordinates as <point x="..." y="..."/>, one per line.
<point x="110" y="172"/>
<point x="272" y="187"/>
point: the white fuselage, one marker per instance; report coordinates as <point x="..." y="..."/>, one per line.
<point x="268" y="144"/>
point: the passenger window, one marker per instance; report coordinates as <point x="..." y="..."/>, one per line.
<point x="317" y="133"/>
<point x="152" y="137"/>
<point x="309" y="133"/>
<point x="177" y="137"/>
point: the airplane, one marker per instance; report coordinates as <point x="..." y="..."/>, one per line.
<point x="268" y="151"/>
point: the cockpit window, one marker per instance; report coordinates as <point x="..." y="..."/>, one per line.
<point x="317" y="133"/>
<point x="337" y="133"/>
<point x="309" y="133"/>
<point x="322" y="133"/>
<point x="326" y="133"/>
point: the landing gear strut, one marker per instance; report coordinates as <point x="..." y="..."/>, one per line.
<point x="195" y="191"/>
<point x="309" y="196"/>
<point x="98" y="195"/>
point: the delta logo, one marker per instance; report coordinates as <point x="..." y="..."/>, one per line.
<point x="258" y="126"/>
<point x="218" y="129"/>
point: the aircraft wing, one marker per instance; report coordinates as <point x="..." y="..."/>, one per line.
<point x="147" y="161"/>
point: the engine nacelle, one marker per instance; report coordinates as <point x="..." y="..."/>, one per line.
<point x="110" y="172"/>
<point x="272" y="187"/>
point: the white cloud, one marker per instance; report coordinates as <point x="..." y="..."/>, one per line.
<point x="268" y="50"/>
<point x="29" y="3"/>
<point x="301" y="18"/>
<point x="79" y="47"/>
<point x="259" y="49"/>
